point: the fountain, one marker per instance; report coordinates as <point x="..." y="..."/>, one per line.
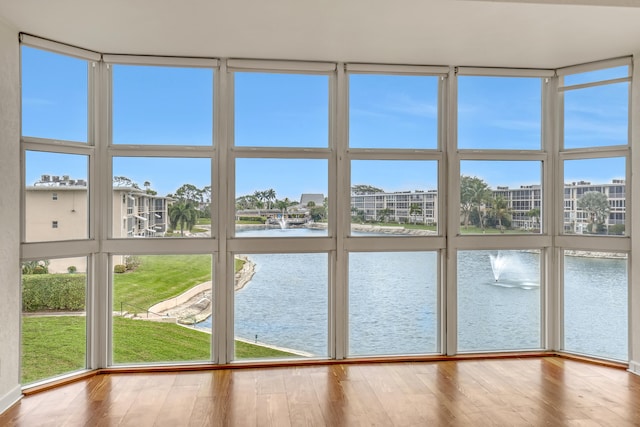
<point x="510" y="272"/>
<point x="498" y="264"/>
<point x="283" y="222"/>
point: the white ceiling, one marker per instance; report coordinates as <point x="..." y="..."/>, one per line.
<point x="513" y="33"/>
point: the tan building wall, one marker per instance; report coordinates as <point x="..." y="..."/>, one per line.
<point x="58" y="213"/>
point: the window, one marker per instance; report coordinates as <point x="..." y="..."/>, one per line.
<point x="499" y="112"/>
<point x="156" y="105"/>
<point x="53" y="345"/>
<point x="595" y="209"/>
<point x="152" y="203"/>
<point x="54" y="96"/>
<point x="316" y="212"/>
<point x="400" y="195"/>
<point x="67" y="174"/>
<point x="281" y="197"/>
<point x="501" y="196"/>
<point x="595" y="162"/>
<point x="281" y="306"/>
<point x="499" y="300"/>
<point x="393" y="303"/>
<point x="393" y="111"/>
<point x="154" y="296"/>
<point x="281" y="110"/>
<point x="595" y="303"/>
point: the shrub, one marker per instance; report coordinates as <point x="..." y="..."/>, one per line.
<point x="53" y="292"/>
<point x="39" y="270"/>
<point x="132" y="262"/>
<point x="72" y="269"/>
<point x="617" y="229"/>
<point x="253" y="219"/>
<point x="119" y="268"/>
<point x="28" y="267"/>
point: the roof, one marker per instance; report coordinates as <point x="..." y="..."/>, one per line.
<point x="316" y="198"/>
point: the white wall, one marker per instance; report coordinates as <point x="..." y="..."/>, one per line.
<point x="634" y="260"/>
<point x="10" y="230"/>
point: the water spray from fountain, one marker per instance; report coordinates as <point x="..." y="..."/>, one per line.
<point x="509" y="271"/>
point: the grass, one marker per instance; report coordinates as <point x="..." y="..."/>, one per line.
<point x="53" y="346"/>
<point x="477" y="230"/>
<point x="417" y="226"/>
<point x="159" y="277"/>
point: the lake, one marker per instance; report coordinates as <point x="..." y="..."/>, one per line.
<point x="393" y="308"/>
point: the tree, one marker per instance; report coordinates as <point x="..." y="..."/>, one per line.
<point x="123" y="181"/>
<point x="183" y="215"/>
<point x="500" y="211"/>
<point x="474" y="192"/>
<point x="189" y="192"/>
<point x="270" y="197"/>
<point x="245" y="202"/>
<point x="383" y="214"/>
<point x="534" y="214"/>
<point x="365" y="189"/>
<point x="317" y="213"/>
<point x="596" y="205"/>
<point x="414" y="210"/>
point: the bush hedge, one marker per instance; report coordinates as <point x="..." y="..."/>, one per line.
<point x="53" y="292"/>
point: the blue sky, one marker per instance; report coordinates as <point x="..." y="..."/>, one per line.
<point x="170" y="105"/>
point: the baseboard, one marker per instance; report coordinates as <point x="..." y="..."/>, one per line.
<point x="634" y="367"/>
<point x="10" y="399"/>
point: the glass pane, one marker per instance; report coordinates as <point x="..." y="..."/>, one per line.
<point x="498" y="300"/>
<point x="595" y="196"/>
<point x="595" y="304"/>
<point x="281" y="110"/>
<point x="596" y="116"/>
<point x="153" y="295"/>
<point x="162" y="105"/>
<point x="281" y="197"/>
<point x="389" y="111"/>
<point x="499" y="112"/>
<point x="394" y="197"/>
<point x="54" y="95"/>
<point x="393" y="303"/>
<point x="54" y="317"/>
<point x="500" y="196"/>
<point x="149" y="202"/>
<point x="56" y="197"/>
<point x="597" y="75"/>
<point x="281" y="306"/>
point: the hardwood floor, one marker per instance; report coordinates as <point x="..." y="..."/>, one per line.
<point x="546" y="391"/>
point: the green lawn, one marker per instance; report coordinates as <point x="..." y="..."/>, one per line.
<point x="53" y="346"/>
<point x="407" y="226"/>
<point x="159" y="277"/>
<point x="477" y="230"/>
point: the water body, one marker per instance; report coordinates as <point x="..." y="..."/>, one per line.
<point x="393" y="309"/>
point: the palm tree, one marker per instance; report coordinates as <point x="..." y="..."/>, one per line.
<point x="414" y="210"/>
<point x="534" y="214"/>
<point x="500" y="210"/>
<point x="474" y="192"/>
<point x="184" y="215"/>
<point x="270" y="197"/>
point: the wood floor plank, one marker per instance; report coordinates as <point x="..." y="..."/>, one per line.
<point x="546" y="391"/>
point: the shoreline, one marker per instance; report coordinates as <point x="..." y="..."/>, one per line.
<point x="195" y="304"/>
